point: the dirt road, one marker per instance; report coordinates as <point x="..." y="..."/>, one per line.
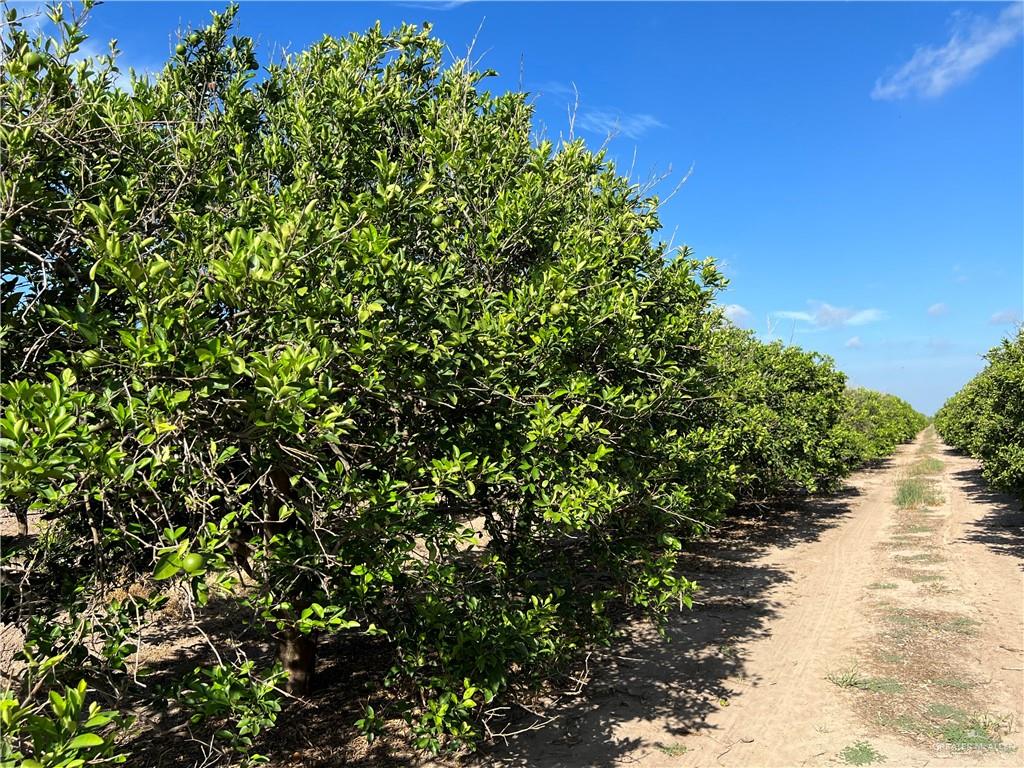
<point x="850" y="631"/>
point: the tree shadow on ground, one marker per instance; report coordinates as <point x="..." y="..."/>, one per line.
<point x="172" y="648"/>
<point x="1002" y="527"/>
<point x="686" y="675"/>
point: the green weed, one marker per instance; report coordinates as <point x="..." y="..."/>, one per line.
<point x="672" y="750"/>
<point x="861" y="753"/>
<point x="964" y="731"/>
<point x="851" y="678"/>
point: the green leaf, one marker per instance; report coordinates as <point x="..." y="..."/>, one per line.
<point x="85" y="740"/>
<point x="167" y="566"/>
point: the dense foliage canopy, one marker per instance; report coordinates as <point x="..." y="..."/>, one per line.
<point x="341" y="351"/>
<point x="986" y="417"/>
<point x="877" y="422"/>
<point x="783" y="410"/>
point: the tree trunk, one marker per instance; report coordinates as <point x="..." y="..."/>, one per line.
<point x="297" y="653"/>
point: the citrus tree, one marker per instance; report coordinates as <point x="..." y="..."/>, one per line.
<point x="342" y="351"/>
<point x="878" y="422"/>
<point x="782" y="408"/>
<point x="986" y="417"/>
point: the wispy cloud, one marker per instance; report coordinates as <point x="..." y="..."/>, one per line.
<point x="933" y="70"/>
<point x="824" y="315"/>
<point x="607" y="123"/>
<point x="737" y="313"/>
<point x="553" y="88"/>
<point x="854" y="342"/>
<point x="436" y="5"/>
<point x="938" y="310"/>
<point x="1006" y="317"/>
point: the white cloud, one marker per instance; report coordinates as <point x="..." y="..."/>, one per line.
<point x="854" y="342"/>
<point x="738" y="314"/>
<point x="938" y="310"/>
<point x="933" y="70"/>
<point x="554" y="88"/>
<point x="864" y="316"/>
<point x="613" y="123"/>
<point x="1006" y="317"/>
<point x="824" y="315"/>
<point x="805" y="317"/>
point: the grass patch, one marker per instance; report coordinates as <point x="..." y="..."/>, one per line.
<point x="961" y="625"/>
<point x="851" y="678"/>
<point x="882" y="585"/>
<point x="905" y="619"/>
<point x="923" y="577"/>
<point x="964" y="731"/>
<point x="952" y="682"/>
<point x="928" y="466"/>
<point x="946" y="712"/>
<point x="861" y="753"/>
<point x="970" y="736"/>
<point x="881" y="685"/>
<point x="888" y="657"/>
<point x="905" y="724"/>
<point x="917" y="528"/>
<point x="915" y="493"/>
<point x="845" y="679"/>
<point x="672" y="750"/>
<point x="924" y="557"/>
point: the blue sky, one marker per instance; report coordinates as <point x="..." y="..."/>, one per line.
<point x="858" y="168"/>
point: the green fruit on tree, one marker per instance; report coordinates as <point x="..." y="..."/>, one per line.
<point x="556" y="309"/>
<point x="193" y="38"/>
<point x="90" y="357"/>
<point x="192" y="562"/>
<point x="33" y="60"/>
<point x="437" y="221"/>
<point x="180" y="49"/>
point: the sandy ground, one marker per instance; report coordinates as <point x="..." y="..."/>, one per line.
<point x="789" y="601"/>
